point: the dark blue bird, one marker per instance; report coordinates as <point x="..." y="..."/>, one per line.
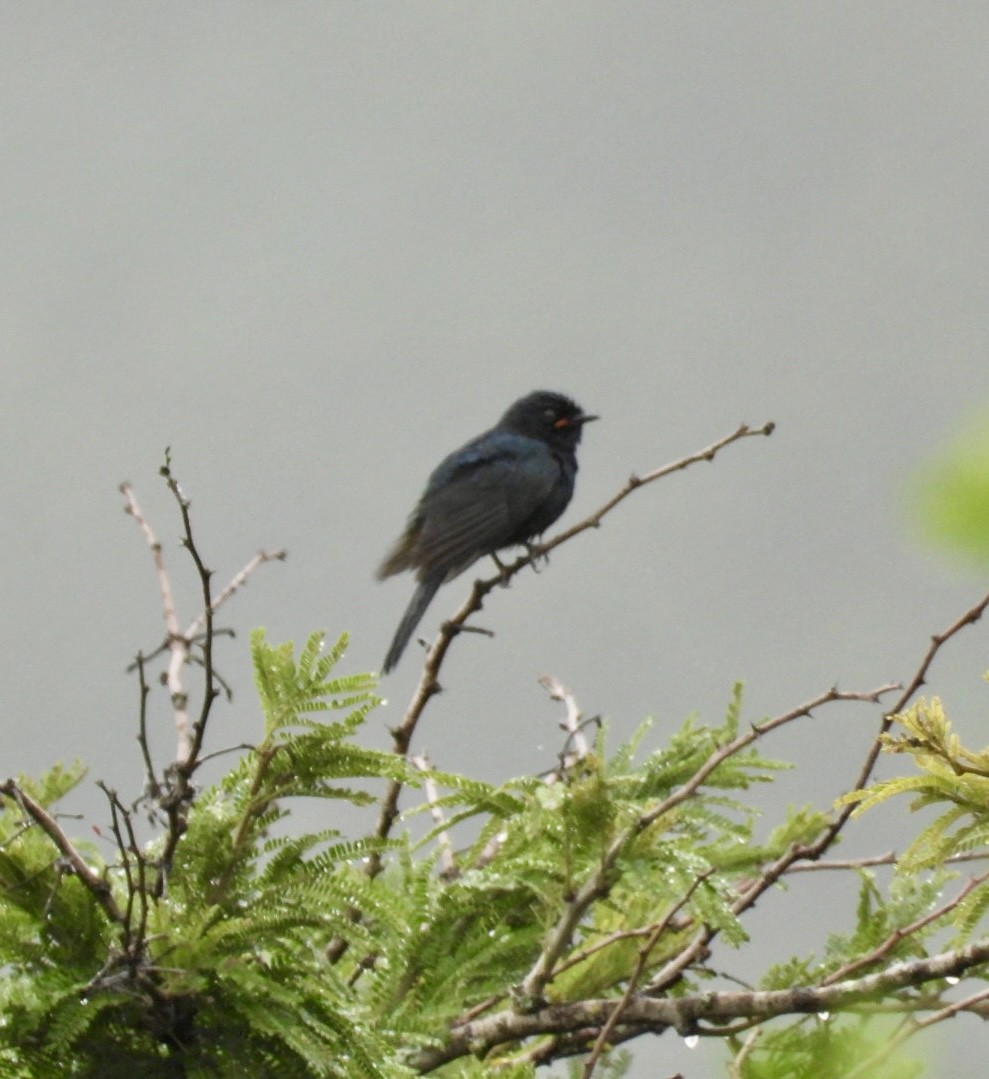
<point x="502" y="489"/>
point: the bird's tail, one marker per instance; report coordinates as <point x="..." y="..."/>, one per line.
<point x="421" y="599"/>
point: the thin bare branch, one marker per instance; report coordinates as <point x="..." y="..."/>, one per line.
<point x="973" y="1003"/>
<point x="736" y="1064"/>
<point x="899" y="935"/>
<point x="601" y="1042"/>
<point x="812" y="851"/>
<point x="448" y="867"/>
<point x="178" y="645"/>
<point x="237" y="582"/>
<point x="889" y="858"/>
<point x="152" y="785"/>
<point x="938" y="641"/>
<point x="635" y="481"/>
<point x="187" y="757"/>
<point x="576" y="748"/>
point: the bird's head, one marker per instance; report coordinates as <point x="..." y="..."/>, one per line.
<point x="550" y="417"/>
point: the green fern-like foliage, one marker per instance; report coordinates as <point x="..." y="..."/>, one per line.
<point x="834" y="1045"/>
<point x="892" y="923"/>
<point x="952" y="778"/>
<point x="477" y="934"/>
<point x="223" y="973"/>
<point x="263" y="952"/>
<point x="827" y="1047"/>
<point x="53" y="937"/>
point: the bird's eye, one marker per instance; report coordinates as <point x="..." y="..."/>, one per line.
<point x="550" y="414"/>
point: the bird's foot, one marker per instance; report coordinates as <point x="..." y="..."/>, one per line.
<point x="502" y="570"/>
<point x="537" y="554"/>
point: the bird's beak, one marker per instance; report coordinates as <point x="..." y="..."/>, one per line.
<point x="574" y="421"/>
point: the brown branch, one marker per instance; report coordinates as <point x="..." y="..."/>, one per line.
<point x="175" y="791"/>
<point x="889" y="858"/>
<point x="134" y="865"/>
<point x="813" y="850"/>
<point x="938" y="640"/>
<point x="642" y="960"/>
<point x="898" y="935"/>
<point x="634" y="482"/>
<point x="696" y="950"/>
<point x="152" y="784"/>
<point x="95" y="884"/>
<point x="236" y="583"/>
<point x="598" y="884"/>
<point x="186" y="761"/>
<point x="685" y="1013"/>
<point x="125" y="862"/>
<point x="178" y="642"/>
<point x="429" y="683"/>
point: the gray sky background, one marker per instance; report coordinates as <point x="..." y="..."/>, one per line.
<point x="314" y="247"/>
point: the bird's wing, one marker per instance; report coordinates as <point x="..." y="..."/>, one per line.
<point x="480" y="498"/>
